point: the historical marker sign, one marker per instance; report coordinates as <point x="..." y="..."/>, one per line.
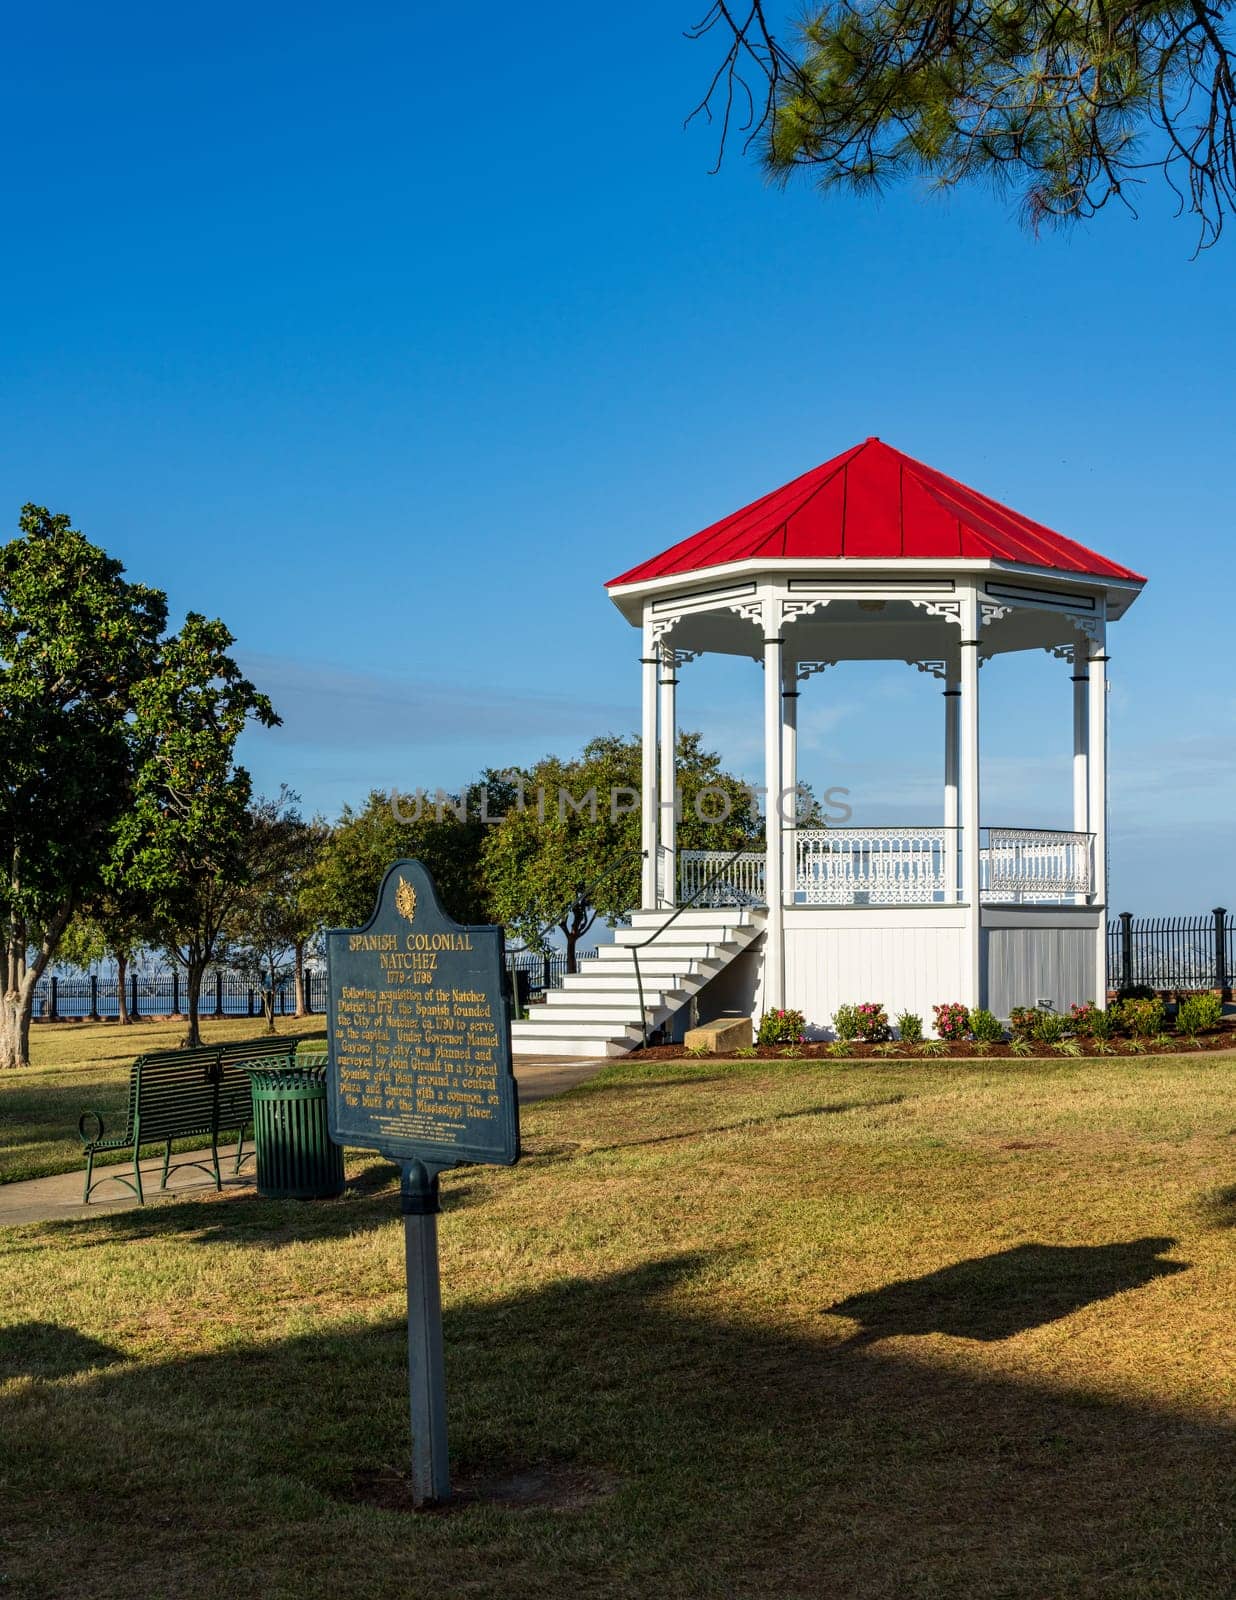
<point x="420" y="1069"/>
<point x="420" y="1040"/>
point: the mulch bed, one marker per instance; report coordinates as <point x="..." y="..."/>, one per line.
<point x="1224" y="1038"/>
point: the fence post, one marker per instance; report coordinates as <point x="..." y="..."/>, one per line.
<point x="218" y="994"/>
<point x="546" y="973"/>
<point x="175" y="991"/>
<point x="53" y="1002"/>
<point x="94" y="997"/>
<point x="1222" y="977"/>
<point x="133" y="1011"/>
<point x="250" y="1002"/>
<point x="307" y="980"/>
<point x="1126" y="949"/>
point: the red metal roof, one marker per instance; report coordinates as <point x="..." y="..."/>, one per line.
<point x="872" y="503"/>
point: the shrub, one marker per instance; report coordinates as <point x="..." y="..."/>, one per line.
<point x="846" y="1022"/>
<point x="1024" y="1022"/>
<point x="1103" y="1025"/>
<point x="1137" y="991"/>
<point x="1052" y="1027"/>
<point x="841" y="1048"/>
<point x="1142" y="1018"/>
<point x="1082" y="1016"/>
<point x="782" y="1027"/>
<point x="910" y="1028"/>
<point x="1067" y="1047"/>
<point x="1198" y="1013"/>
<point x="873" y="1022"/>
<point x="986" y="1027"/>
<point x="887" y="1047"/>
<point x="1022" y="1047"/>
<point x="933" y="1047"/>
<point x="952" y="1020"/>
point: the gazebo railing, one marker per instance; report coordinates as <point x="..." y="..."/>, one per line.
<point x="901" y="866"/>
<point x="875" y="866"/>
<point x="1029" y="864"/>
<point x="740" y="884"/>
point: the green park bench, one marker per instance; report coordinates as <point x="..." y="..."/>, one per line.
<point x="185" y="1094"/>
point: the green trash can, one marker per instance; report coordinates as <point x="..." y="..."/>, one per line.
<point x="296" y="1157"/>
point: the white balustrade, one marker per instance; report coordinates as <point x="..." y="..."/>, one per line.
<point x="1027" y="864"/>
<point x="899" y="867"/>
<point x="872" y="866"/>
<point x="741" y="884"/>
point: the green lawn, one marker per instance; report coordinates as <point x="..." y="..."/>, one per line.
<point x="77" y="1067"/>
<point x="765" y="1329"/>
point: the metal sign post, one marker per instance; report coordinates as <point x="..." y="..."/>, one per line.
<point x="420" y="1069"/>
<point x="418" y="1200"/>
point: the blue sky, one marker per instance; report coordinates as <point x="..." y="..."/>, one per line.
<point x="389" y="342"/>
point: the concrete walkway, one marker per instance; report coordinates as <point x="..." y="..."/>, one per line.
<point x="59" y="1197"/>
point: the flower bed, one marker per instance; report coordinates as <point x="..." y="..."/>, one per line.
<point x="935" y="1051"/>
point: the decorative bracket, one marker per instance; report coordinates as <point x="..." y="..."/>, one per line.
<point x="791" y="610"/>
<point x="804" y="669"/>
<point x="752" y="610"/>
<point x="991" y="611"/>
<point x="950" y="610"/>
<point x="937" y="669"/>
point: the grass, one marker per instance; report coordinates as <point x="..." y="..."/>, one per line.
<point x="85" y="1066"/>
<point x="784" y="1329"/>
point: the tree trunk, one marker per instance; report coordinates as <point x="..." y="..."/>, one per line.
<point x="15" y="1008"/>
<point x="20" y="979"/>
<point x="194" y="974"/>
<point x="122" y="999"/>
<point x="299" y="978"/>
<point x="268" y="999"/>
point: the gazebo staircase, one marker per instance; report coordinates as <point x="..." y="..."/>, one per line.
<point x="597" y="1010"/>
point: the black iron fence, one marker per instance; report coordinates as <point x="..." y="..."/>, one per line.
<point x="1172" y="952"/>
<point x="226" y="994"/>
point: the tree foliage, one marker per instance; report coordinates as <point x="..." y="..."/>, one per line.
<point x="270" y="924"/>
<point x="183" y="839"/>
<point x="443" y="831"/>
<point x="568" y="850"/>
<point x="77" y="640"/>
<point x="1066" y="105"/>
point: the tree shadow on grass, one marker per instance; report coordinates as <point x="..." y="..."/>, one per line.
<point x="244" y="1219"/>
<point x="747" y="1462"/>
<point x="994" y="1297"/>
<point x="1218" y="1207"/>
<point x="48" y="1350"/>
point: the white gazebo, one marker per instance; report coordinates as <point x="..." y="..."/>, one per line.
<point x="871" y="556"/>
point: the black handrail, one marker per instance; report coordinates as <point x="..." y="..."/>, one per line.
<point x="669" y="921"/>
<point x="584" y="893"/>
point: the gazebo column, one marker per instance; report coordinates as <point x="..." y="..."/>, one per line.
<point x="669" y="787"/>
<point x="952" y="779"/>
<point x="789" y="779"/>
<point x="648" y="769"/>
<point x="1097" y="672"/>
<point x="1081" y="744"/>
<point x="774" y="937"/>
<point x="972" y="977"/>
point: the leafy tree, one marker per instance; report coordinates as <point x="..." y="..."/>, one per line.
<point x="269" y="927"/>
<point x="77" y="640"/>
<point x="445" y="832"/>
<point x="184" y="840"/>
<point x="569" y="852"/>
<point x="113" y="923"/>
<point x="1069" y="105"/>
